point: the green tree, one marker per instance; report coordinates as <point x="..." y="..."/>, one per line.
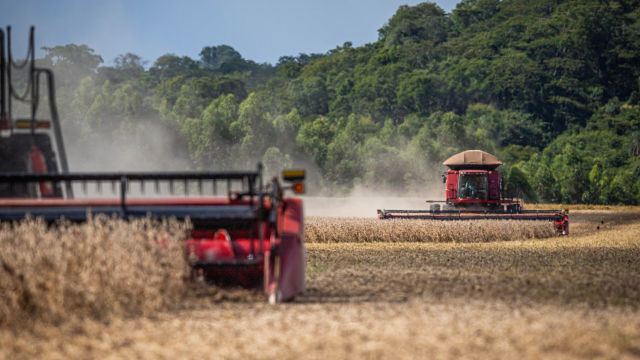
<point x="254" y="127"/>
<point x="634" y="144"/>
<point x="343" y="164"/>
<point x="411" y="24"/>
<point x="215" y="56"/>
<point x="130" y="64"/>
<point x="519" y="180"/>
<point x="309" y="96"/>
<point x="314" y="138"/>
<point x="546" y="186"/>
<point x="597" y="181"/>
<point x="211" y="142"/>
<point x="71" y="63"/>
<point x="169" y="66"/>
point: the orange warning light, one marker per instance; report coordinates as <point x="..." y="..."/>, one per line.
<point x="298" y="188"/>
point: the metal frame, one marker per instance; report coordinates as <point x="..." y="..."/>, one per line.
<point x="557" y="215"/>
<point x="3" y="112"/>
<point x="31" y="94"/>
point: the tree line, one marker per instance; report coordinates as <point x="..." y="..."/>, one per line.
<point x="549" y="86"/>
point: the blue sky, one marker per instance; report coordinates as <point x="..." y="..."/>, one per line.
<point x="260" y="30"/>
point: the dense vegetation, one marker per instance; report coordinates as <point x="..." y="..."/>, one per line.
<point x="549" y="86"/>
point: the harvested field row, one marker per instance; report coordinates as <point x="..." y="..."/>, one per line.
<point x="102" y="268"/>
<point x="365" y="230"/>
<point x="599" y="271"/>
<point x="382" y="330"/>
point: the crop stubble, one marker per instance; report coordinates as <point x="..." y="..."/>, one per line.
<point x="570" y="297"/>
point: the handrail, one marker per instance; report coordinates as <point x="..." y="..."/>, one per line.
<point x="57" y="127"/>
<point x="3" y="114"/>
<point x="20" y="177"/>
<point x="30" y="59"/>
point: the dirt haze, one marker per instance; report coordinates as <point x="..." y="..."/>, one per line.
<point x="360" y="206"/>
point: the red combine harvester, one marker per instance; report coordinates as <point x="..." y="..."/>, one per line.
<point x="475" y="190"/>
<point x="252" y="236"/>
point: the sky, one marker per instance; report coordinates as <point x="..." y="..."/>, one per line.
<point x="260" y="30"/>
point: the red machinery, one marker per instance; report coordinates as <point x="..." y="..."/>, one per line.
<point x="25" y="144"/>
<point x="475" y="190"/>
<point x="250" y="237"/>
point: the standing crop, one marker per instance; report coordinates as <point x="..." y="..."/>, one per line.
<point x="100" y="268"/>
<point x="359" y="230"/>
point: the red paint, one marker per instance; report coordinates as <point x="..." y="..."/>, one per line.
<point x="214" y="244"/>
<point x="39" y="165"/>
<point x="494" y="185"/>
<point x="452" y="186"/>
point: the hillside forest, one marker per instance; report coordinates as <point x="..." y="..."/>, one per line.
<point x="551" y="87"/>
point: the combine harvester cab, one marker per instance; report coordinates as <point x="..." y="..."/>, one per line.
<point x="245" y="232"/>
<point x="475" y="190"/>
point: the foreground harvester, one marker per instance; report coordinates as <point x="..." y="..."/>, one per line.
<point x="475" y="190"/>
<point x="253" y="237"/>
<point x="250" y="236"/>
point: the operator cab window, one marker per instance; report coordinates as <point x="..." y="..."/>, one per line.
<point x="473" y="187"/>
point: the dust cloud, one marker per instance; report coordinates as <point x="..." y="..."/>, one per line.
<point x="365" y="202"/>
<point x="153" y="148"/>
<point x="359" y="206"/>
<point x="160" y="150"/>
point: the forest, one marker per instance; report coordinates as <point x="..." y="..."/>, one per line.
<point x="551" y="87"/>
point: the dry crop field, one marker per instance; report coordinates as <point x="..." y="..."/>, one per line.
<point x="359" y="230"/>
<point x="376" y="290"/>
